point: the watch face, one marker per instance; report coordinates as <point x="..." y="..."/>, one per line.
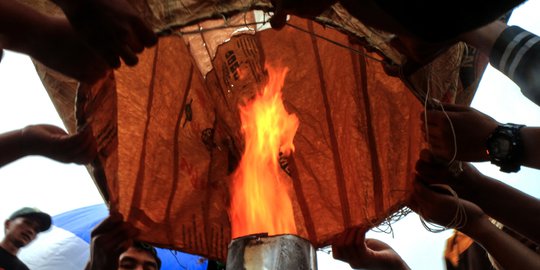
<point x="499" y="147"/>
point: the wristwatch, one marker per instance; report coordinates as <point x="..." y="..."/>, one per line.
<point x="505" y="148"/>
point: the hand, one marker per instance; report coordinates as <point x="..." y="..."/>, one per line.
<point x="352" y="247"/>
<point x="443" y="209"/>
<point x="432" y="172"/>
<point x="109" y="240"/>
<point x="55" y="44"/>
<point x="419" y="52"/>
<point x="112" y="27"/>
<point x="471" y="128"/>
<point x="301" y="8"/>
<point x="53" y="142"/>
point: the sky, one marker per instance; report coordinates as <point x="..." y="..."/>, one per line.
<point x="56" y="187"/>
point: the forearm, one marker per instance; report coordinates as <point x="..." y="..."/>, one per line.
<point x="498" y="200"/>
<point x="531" y="145"/>
<point x="18" y="25"/>
<point x="516" y="53"/>
<point x="506" y="250"/>
<point x="484" y="37"/>
<point x="12" y="147"/>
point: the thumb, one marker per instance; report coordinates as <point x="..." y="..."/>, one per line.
<point x="453" y="107"/>
<point x="280" y="16"/>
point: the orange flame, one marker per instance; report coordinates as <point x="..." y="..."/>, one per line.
<point x="260" y="199"/>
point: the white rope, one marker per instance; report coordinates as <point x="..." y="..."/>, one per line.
<point x="460" y="217"/>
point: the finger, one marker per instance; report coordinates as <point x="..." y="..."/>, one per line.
<point x="426" y="155"/>
<point x="134" y="44"/>
<point x="360" y="238"/>
<point x="147" y="37"/>
<point x="435" y="118"/>
<point x="113" y="220"/>
<point x="350" y="239"/>
<point x="376" y="245"/>
<point x="128" y="56"/>
<point x="112" y="59"/>
<point x="424" y="168"/>
<point x="449" y="107"/>
<point x="53" y="129"/>
<point x="419" y="190"/>
<point x="340" y="246"/>
<point x="280" y="16"/>
<point x="85" y="153"/>
<point x="71" y="146"/>
<point x="432" y="179"/>
<point x="337" y="246"/>
<point x="441" y="154"/>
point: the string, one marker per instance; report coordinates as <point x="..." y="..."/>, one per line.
<point x="460" y="217"/>
<point x="334" y="42"/>
<point x="453" y="135"/>
<point x="262" y="23"/>
<point x="458" y="221"/>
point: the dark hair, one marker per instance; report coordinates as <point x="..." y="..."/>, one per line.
<point x="150" y="249"/>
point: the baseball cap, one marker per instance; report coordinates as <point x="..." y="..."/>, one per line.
<point x="43" y="219"/>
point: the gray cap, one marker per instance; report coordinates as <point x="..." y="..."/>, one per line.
<point x="43" y="219"/>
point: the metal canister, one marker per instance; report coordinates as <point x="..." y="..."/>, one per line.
<point x="279" y="252"/>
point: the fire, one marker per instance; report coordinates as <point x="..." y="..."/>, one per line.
<point x="260" y="197"/>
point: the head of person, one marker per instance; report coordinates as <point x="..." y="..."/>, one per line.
<point x="140" y="256"/>
<point x="23" y="225"/>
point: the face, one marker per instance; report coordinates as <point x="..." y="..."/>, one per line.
<point x="136" y="259"/>
<point x="21" y="231"/>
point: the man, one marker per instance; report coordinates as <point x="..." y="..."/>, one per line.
<point x="139" y="256"/>
<point x="112" y="248"/>
<point x="20" y="229"/>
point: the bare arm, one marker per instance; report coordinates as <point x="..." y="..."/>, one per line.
<point x="11" y="144"/>
<point x="500" y="201"/>
<point x="50" y="40"/>
<point x="496" y="199"/>
<point x="484" y="37"/>
<point x="441" y="209"/>
<point x="109" y="239"/>
<point x="471" y="142"/>
<point x="531" y="143"/>
<point x="49" y="141"/>
<point x="113" y="28"/>
<point x="507" y="251"/>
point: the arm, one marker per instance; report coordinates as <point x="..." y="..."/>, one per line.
<point x="112" y="27"/>
<point x="496" y="199"/>
<point x="471" y="143"/>
<point x="441" y="209"/>
<point x="512" y="50"/>
<point x="500" y="200"/>
<point x="49" y="141"/>
<point x="110" y="238"/>
<point x="50" y="40"/>
<point x="531" y="142"/>
<point x="484" y="37"/>
<point x="352" y="248"/>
